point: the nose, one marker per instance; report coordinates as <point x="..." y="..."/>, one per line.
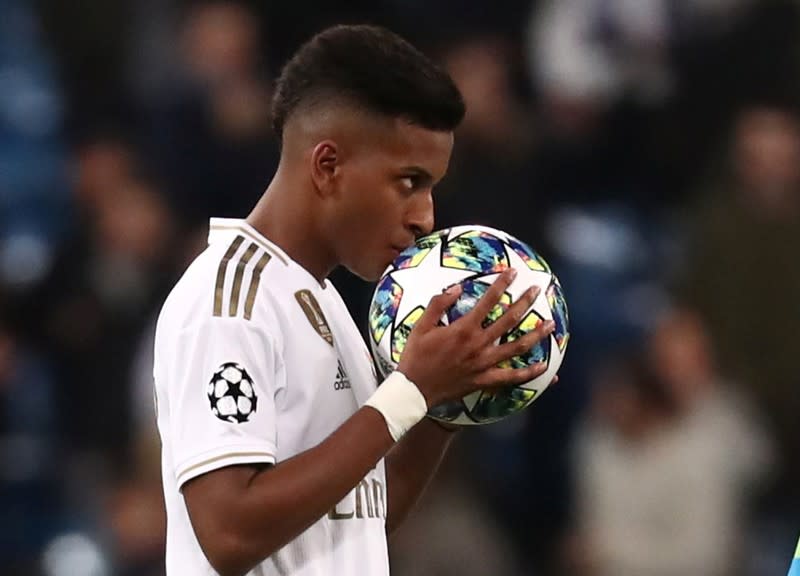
<point x="420" y="214"/>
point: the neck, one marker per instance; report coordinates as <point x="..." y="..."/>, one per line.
<point x="285" y="216"/>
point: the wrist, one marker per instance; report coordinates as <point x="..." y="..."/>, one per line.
<point x="400" y="403"/>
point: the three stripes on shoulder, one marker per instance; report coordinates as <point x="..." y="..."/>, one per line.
<point x="234" y="266"/>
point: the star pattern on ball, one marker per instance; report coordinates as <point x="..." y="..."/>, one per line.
<point x="517" y="288"/>
<point x="418" y="286"/>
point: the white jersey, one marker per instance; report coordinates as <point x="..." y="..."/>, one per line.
<point x="255" y="362"/>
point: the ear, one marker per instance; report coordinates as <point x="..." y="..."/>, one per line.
<point x="325" y="169"/>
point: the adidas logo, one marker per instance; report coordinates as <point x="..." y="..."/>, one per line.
<point x="342" y="381"/>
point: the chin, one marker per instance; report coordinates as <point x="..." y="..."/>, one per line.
<point x="369" y="274"/>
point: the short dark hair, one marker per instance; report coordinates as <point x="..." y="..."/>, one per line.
<point x="370" y="67"/>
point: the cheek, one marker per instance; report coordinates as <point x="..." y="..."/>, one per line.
<point x="370" y="225"/>
<point x="368" y="205"/>
<point x="374" y="205"/>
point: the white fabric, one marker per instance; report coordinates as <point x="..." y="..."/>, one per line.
<point x="307" y="382"/>
<point x="400" y="403"/>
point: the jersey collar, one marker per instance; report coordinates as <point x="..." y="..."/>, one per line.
<point x="226" y="226"/>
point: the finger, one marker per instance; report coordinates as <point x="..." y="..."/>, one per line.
<point x="495" y="377"/>
<point x="436" y="308"/>
<point x="512" y="316"/>
<point x="520" y="346"/>
<point x="492" y="296"/>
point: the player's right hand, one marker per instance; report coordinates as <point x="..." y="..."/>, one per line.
<point x="448" y="362"/>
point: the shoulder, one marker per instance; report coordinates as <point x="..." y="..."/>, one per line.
<point x="232" y="279"/>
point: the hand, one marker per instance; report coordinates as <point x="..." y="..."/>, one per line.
<point x="448" y="362"/>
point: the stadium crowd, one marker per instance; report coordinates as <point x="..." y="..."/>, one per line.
<point x="649" y="149"/>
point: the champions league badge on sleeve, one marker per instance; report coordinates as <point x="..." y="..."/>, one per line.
<point x="231" y="393"/>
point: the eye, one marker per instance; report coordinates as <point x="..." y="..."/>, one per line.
<point x="412" y="181"/>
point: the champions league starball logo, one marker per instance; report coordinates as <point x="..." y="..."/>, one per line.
<point x="231" y="394"/>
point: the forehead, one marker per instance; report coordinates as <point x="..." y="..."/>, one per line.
<point x="402" y="143"/>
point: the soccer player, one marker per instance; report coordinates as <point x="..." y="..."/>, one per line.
<point x="281" y="454"/>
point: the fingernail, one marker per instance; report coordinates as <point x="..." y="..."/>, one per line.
<point x="549" y="326"/>
<point x="512" y="273"/>
<point x="454" y="289"/>
<point x="534" y="291"/>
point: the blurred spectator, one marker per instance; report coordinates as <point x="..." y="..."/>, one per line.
<point x="135" y="513"/>
<point x="31" y="496"/>
<point x="494" y="145"/>
<point x="88" y="43"/>
<point x="603" y="70"/>
<point x="622" y="116"/>
<point x="454" y="531"/>
<point x="153" y="62"/>
<point x="665" y="464"/>
<point x="95" y="301"/>
<point x="743" y="249"/>
<point x="592" y="53"/>
<point x="210" y="135"/>
<point x="105" y="285"/>
<point x="33" y="187"/>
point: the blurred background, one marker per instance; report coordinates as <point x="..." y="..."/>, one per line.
<point x="649" y="149"/>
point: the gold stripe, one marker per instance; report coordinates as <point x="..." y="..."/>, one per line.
<point x="254" y="282"/>
<point x="254" y="238"/>
<point x="222" y="457"/>
<point x="237" y="279"/>
<point x="223" y="266"/>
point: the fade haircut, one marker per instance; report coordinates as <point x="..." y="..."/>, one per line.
<point x="371" y="68"/>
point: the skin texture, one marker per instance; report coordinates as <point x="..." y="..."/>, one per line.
<point x="354" y="189"/>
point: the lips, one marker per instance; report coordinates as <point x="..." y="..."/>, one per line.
<point x="397" y="249"/>
<point x="403" y="245"/>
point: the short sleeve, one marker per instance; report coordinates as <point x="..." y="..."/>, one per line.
<point x="220" y="385"/>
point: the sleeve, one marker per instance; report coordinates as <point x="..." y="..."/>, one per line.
<point x="221" y="389"/>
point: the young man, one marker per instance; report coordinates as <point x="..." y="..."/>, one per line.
<point x="281" y="455"/>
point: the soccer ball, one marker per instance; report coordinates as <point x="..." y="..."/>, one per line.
<point x="231" y="393"/>
<point x="472" y="256"/>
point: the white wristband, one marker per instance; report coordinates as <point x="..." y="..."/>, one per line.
<point x="400" y="403"/>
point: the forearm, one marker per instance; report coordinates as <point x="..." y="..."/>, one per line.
<point x="411" y="465"/>
<point x="273" y="506"/>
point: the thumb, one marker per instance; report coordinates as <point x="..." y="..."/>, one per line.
<point x="438" y="306"/>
